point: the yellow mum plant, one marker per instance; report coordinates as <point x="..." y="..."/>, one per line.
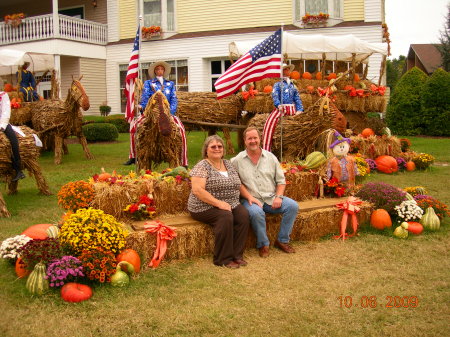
<point x="75" y="195"/>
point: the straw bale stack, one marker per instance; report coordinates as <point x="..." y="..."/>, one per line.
<point x="372" y="103"/>
<point x="29" y="154"/>
<point x="204" y="106"/>
<point x="21" y="116"/>
<point x="301" y="185"/>
<point x="171" y="198"/>
<point x="375" y="146"/>
<point x="356" y="121"/>
<point x="4" y="213"/>
<point x="152" y="148"/>
<point x="262" y="103"/>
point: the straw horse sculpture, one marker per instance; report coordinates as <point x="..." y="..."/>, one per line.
<point x="4" y="213"/>
<point x="56" y="120"/>
<point x="152" y="146"/>
<point x="29" y="154"/>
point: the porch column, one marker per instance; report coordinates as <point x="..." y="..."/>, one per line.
<point x="57" y="62"/>
<point x="55" y="19"/>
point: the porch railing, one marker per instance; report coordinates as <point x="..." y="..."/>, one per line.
<point x="42" y="27"/>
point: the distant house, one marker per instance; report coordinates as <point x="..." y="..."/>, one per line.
<point x="426" y="57"/>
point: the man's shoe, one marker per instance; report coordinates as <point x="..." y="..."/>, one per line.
<point x="19" y="175"/>
<point x="232" y="265"/>
<point x="241" y="262"/>
<point x="130" y="161"/>
<point x="285" y="247"/>
<point x="264" y="251"/>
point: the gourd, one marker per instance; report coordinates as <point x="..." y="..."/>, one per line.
<point x="409" y="196"/>
<point x="21" y="268"/>
<point x="413" y="227"/>
<point x="36" y="282"/>
<point x="130" y="256"/>
<point x="306" y="75"/>
<point x="380" y="219"/>
<point x="430" y="220"/>
<point x="37" y="231"/>
<point x="401" y="232"/>
<point x="53" y="232"/>
<point x="120" y="278"/>
<point x="268" y="89"/>
<point x="386" y="131"/>
<point x="410" y="166"/>
<point x="75" y="292"/>
<point x="367" y="132"/>
<point x="386" y="164"/>
<point x="314" y="160"/>
<point x="295" y="75"/>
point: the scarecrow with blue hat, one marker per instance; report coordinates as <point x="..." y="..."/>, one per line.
<point x="342" y="166"/>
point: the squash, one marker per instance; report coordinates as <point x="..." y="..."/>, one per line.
<point x="319" y="76"/>
<point x="75" y="292"/>
<point x="268" y="89"/>
<point x="331" y="76"/>
<point x="120" y="278"/>
<point x="414" y="227"/>
<point x="380" y="219"/>
<point x="295" y="75"/>
<point x="314" y="160"/>
<point x="53" y="232"/>
<point x="306" y="75"/>
<point x="430" y="220"/>
<point x="21" y="269"/>
<point x="37" y="231"/>
<point x="401" y="232"/>
<point x="310" y="89"/>
<point x="386" y="131"/>
<point x="386" y="164"/>
<point x="367" y="132"/>
<point x="410" y="166"/>
<point x="37" y="284"/>
<point x="131" y="256"/>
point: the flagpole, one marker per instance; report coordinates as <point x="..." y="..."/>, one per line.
<point x="139" y="75"/>
<point x="281" y="96"/>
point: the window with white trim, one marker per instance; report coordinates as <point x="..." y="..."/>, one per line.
<point x="218" y="67"/>
<point x="332" y="7"/>
<point x="159" y="13"/>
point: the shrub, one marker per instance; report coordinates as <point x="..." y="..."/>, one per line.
<point x="120" y="122"/>
<point x="104" y="110"/>
<point x="382" y="195"/>
<point x="100" y="132"/>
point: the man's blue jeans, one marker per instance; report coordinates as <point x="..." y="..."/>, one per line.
<point x="289" y="209"/>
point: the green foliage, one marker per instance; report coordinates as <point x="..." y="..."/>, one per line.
<point x="404" y="110"/>
<point x="444" y="39"/>
<point x="436" y="105"/>
<point x="120" y="122"/>
<point x="104" y="110"/>
<point x="100" y="132"/>
<point x="394" y="70"/>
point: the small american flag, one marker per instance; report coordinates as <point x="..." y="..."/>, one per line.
<point x="260" y="62"/>
<point x="132" y="73"/>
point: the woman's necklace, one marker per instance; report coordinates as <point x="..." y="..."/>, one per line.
<point x="213" y="165"/>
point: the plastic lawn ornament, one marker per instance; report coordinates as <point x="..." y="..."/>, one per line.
<point x="350" y="208"/>
<point x="163" y="233"/>
<point x="342" y="166"/>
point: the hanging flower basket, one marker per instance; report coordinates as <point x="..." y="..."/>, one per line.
<point x="315" y="20"/>
<point x="14" y="19"/>
<point x="150" y="32"/>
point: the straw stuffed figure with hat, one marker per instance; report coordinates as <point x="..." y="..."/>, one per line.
<point x="286" y="100"/>
<point x="342" y="166"/>
<point x="159" y="72"/>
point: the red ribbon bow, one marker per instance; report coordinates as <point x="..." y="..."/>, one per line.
<point x="163" y="233"/>
<point x="324" y="91"/>
<point x="350" y="207"/>
<point x="251" y="93"/>
<point x="378" y="90"/>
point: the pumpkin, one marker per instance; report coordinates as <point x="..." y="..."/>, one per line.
<point x="319" y="76"/>
<point x="21" y="269"/>
<point x="414" y="227"/>
<point x="75" y="292"/>
<point x="401" y="232"/>
<point x="41" y="98"/>
<point x="53" y="232"/>
<point x="430" y="220"/>
<point x="268" y="89"/>
<point x="104" y="176"/>
<point x="386" y="164"/>
<point x="380" y="219"/>
<point x="7" y="87"/>
<point x="367" y="132"/>
<point x="356" y="78"/>
<point x="131" y="256"/>
<point x="295" y="75"/>
<point x="307" y="75"/>
<point x="410" y="166"/>
<point x="310" y="89"/>
<point x="37" y="284"/>
<point x="37" y="231"/>
<point x="331" y="76"/>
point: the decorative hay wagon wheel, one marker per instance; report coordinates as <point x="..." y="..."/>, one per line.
<point x="152" y="147"/>
<point x="29" y="154"/>
<point x="56" y="120"/>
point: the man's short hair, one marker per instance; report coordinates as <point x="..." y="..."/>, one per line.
<point x="251" y="128"/>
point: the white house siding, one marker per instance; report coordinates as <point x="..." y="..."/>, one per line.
<point x="127" y="18"/>
<point x="70" y="66"/>
<point x="94" y="82"/>
<point x="199" y="51"/>
<point x="353" y="10"/>
<point x="113" y="16"/>
<point x="373" y="10"/>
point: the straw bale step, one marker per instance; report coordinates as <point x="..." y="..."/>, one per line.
<point x="316" y="218"/>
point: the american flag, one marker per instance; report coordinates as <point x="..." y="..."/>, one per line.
<point x="132" y="73"/>
<point x="260" y="62"/>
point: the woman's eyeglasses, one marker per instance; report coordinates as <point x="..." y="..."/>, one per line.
<point x="215" y="147"/>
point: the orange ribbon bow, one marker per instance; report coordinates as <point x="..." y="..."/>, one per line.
<point x="163" y="233"/>
<point x="350" y="207"/>
<point x="251" y="93"/>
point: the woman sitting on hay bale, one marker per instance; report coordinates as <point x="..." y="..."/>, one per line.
<point x="214" y="200"/>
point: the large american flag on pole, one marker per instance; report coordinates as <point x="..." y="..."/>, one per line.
<point x="260" y="62"/>
<point x="132" y="74"/>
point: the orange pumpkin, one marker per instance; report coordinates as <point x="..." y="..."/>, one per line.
<point x="131" y="256"/>
<point x="41" y="98"/>
<point x="21" y="269"/>
<point x="410" y="166"/>
<point x="331" y="76"/>
<point x="8" y="87"/>
<point x="386" y="164"/>
<point x="307" y="75"/>
<point x="104" y="176"/>
<point x="356" y="78"/>
<point x="295" y="75"/>
<point x="319" y="76"/>
<point x="380" y="219"/>
<point x="268" y="89"/>
<point x="366" y="133"/>
<point x="37" y="231"/>
<point x="310" y="89"/>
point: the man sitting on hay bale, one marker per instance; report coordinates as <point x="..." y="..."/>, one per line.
<point x="27" y="83"/>
<point x="5" y="114"/>
<point x="287" y="93"/>
<point x="262" y="192"/>
<point x="158" y="73"/>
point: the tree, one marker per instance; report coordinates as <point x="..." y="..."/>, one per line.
<point x="394" y="70"/>
<point x="444" y="48"/>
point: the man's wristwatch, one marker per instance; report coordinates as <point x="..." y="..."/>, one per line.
<point x="279" y="196"/>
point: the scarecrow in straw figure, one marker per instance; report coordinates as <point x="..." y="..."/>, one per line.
<point x="5" y="113"/>
<point x="158" y="72"/>
<point x="283" y="91"/>
<point x="27" y="83"/>
<point x="342" y="166"/>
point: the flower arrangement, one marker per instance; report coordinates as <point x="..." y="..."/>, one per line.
<point x="334" y="188"/>
<point x="98" y="264"/>
<point x="63" y="270"/>
<point x="372" y="164"/>
<point x="362" y="165"/>
<point x="315" y="19"/>
<point x="14" y="19"/>
<point x="143" y="209"/>
<point x="415" y="190"/>
<point x="10" y="247"/>
<point x="408" y="210"/>
<point x="425" y="201"/>
<point x="75" y="195"/>
<point x="401" y="163"/>
<point x="382" y="195"/>
<point x="89" y="229"/>
<point x="37" y="250"/>
<point x="149" y="32"/>
<point x="405" y="144"/>
<point x="423" y="160"/>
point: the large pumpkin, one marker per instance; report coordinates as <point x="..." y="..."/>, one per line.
<point x="268" y="89"/>
<point x="37" y="231"/>
<point x="319" y="76"/>
<point x="75" y="292"/>
<point x="386" y="164"/>
<point x="307" y="75"/>
<point x="131" y="256"/>
<point x="8" y="87"/>
<point x="380" y="219"/>
<point x="410" y="166"/>
<point x="367" y="132"/>
<point x="310" y="89"/>
<point x="295" y="75"/>
<point x="331" y="76"/>
<point x="21" y="269"/>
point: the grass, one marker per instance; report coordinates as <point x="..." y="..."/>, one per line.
<point x="284" y="295"/>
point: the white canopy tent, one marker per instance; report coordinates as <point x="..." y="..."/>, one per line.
<point x="11" y="59"/>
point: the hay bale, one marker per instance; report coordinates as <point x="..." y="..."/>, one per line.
<point x="372" y="103"/>
<point x="262" y="102"/>
<point x="301" y="185"/>
<point x="356" y="121"/>
<point x="171" y="198"/>
<point x="20" y="116"/>
<point x="375" y="146"/>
